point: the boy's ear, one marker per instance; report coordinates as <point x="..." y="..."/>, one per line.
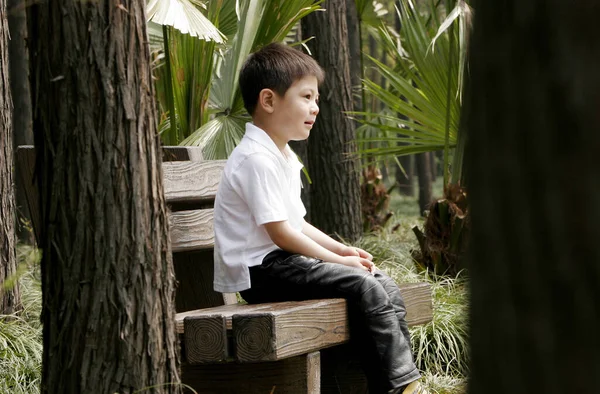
<point x="266" y="100"/>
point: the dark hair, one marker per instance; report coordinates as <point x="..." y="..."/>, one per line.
<point x="277" y="67"/>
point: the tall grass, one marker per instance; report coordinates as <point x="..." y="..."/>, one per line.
<point x="21" y="332"/>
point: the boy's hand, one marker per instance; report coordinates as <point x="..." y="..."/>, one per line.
<point x="358" y="262"/>
<point x="352" y="251"/>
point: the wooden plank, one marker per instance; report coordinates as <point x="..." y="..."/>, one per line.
<point x="26" y="171"/>
<point x="191" y="230"/>
<point x="182" y="153"/>
<point x="208" y="338"/>
<point x="192" y="181"/>
<point x="295" y="375"/>
<point x="417" y="298"/>
<point x="227" y="311"/>
<point x="289" y="330"/>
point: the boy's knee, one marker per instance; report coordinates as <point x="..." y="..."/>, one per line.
<point x="373" y="295"/>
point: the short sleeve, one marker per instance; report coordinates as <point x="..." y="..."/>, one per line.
<point x="258" y="181"/>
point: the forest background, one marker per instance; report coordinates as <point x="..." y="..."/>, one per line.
<point x="397" y="92"/>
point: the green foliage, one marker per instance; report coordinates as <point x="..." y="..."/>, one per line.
<point x="421" y="91"/>
<point x="21" y="333"/>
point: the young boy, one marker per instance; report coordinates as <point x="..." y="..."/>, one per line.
<point x="267" y="251"/>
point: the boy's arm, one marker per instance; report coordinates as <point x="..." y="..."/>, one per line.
<point x="290" y="240"/>
<point x="331" y="244"/>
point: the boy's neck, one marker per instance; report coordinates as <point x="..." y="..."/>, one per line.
<point x="279" y="142"/>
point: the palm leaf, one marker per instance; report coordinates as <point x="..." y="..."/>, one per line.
<point x="417" y="87"/>
<point x="184" y="16"/>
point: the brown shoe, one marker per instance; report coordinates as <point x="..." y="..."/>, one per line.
<point x="415" y="388"/>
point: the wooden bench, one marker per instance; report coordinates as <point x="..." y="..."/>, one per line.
<point x="228" y="347"/>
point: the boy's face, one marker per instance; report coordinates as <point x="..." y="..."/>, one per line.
<point x="295" y="113"/>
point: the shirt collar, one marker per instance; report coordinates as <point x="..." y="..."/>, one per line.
<point x="261" y="137"/>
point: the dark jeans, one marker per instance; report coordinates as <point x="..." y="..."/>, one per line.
<point x="376" y="311"/>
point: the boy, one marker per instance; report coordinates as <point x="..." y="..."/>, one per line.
<point x="267" y="251"/>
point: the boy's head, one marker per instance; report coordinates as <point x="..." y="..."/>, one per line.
<point x="275" y="67"/>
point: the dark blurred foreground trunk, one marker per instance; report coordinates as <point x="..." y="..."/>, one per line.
<point x="534" y="188"/>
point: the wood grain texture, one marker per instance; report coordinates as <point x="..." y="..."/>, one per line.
<point x="417" y="298"/>
<point x="295" y="375"/>
<point x="191" y="230"/>
<point x="186" y="181"/>
<point x="227" y="311"/>
<point x="289" y="329"/>
<point x="205" y="339"/>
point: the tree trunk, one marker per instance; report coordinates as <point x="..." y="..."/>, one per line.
<point x="332" y="164"/>
<point x="107" y="275"/>
<point x="424" y="174"/>
<point x="354" y="55"/>
<point x="534" y="186"/>
<point x="433" y="166"/>
<point x="405" y="182"/>
<point x="9" y="298"/>
<point x="21" y="119"/>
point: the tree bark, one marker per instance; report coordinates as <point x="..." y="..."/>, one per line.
<point x="21" y="118"/>
<point x="333" y="164"/>
<point x="405" y="182"/>
<point x="107" y="275"/>
<point x="9" y="298"/>
<point x="354" y="54"/>
<point x="433" y="166"/>
<point x="424" y="173"/>
<point x="534" y="186"/>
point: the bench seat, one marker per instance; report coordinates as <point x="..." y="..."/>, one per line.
<point x="274" y="331"/>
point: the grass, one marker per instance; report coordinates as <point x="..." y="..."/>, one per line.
<point x="21" y="332"/>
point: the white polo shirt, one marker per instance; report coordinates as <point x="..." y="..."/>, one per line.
<point x="259" y="185"/>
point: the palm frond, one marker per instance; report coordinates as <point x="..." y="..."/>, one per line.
<point x="184" y="16"/>
<point x="421" y="116"/>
